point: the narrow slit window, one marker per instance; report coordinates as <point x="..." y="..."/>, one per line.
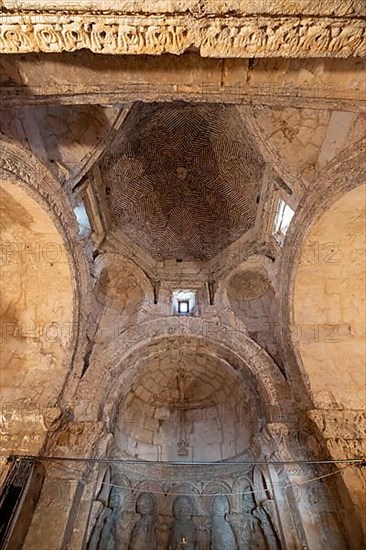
<point x="82" y="219"/>
<point x="282" y="221"/>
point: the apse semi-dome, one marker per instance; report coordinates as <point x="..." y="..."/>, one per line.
<point x="185" y="404"/>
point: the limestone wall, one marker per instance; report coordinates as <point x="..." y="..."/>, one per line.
<point x="329" y="304"/>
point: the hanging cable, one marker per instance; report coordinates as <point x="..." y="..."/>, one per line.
<point x="351" y="461"/>
<point x="347" y="463"/>
<point x="239" y="493"/>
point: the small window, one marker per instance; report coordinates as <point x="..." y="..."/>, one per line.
<point x="183" y="306"/>
<point x="183" y="302"/>
<point x="282" y="221"/>
<point x="82" y="219"/>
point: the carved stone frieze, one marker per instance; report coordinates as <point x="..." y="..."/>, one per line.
<point x="219" y="37"/>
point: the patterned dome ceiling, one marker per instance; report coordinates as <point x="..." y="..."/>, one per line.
<point x="182" y="179"/>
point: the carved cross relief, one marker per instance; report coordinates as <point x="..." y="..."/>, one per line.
<point x="183" y="404"/>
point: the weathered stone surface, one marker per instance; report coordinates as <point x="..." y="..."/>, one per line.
<point x="182" y="200"/>
<point x="345" y="424"/>
<point x="217" y="417"/>
<point x="86" y="78"/>
<point x="329" y="304"/>
<point x="65" y="140"/>
<point x="263" y="35"/>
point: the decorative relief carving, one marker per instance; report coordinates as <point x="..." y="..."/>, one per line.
<point x="105" y="529"/>
<point x="143" y="534"/>
<point x="184" y="531"/>
<point x="222" y="533"/>
<point x="229" y="37"/>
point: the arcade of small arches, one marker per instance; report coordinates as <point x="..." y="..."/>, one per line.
<point x="182" y="298"/>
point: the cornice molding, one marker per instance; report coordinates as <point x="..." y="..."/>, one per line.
<point x="198" y="9"/>
<point x="215" y="35"/>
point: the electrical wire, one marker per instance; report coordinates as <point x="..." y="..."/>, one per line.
<point x="351" y="461"/>
<point x="240" y="493"/>
<point x="347" y="464"/>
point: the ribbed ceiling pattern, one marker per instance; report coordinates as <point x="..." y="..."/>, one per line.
<point x="183" y="179"/>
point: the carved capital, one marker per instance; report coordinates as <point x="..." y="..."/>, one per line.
<point x="276" y="441"/>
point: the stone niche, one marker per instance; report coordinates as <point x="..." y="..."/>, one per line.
<point x="185" y="404"/>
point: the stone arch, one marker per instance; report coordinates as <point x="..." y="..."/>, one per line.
<point x="329" y="416"/>
<point x="215" y="487"/>
<point x="148" y="486"/>
<point x="345" y="174"/>
<point x="249" y="293"/>
<point x="121" y="287"/>
<point x="186" y="491"/>
<point x="45" y="333"/>
<point x="122" y="481"/>
<point x="218" y="487"/>
<point x="21" y="168"/>
<point x="146" y="426"/>
<point x="329" y="304"/>
<point x="121" y="295"/>
<point x="243" y="485"/>
<point x="244" y="355"/>
<point x="117" y="260"/>
<point x="35" y="268"/>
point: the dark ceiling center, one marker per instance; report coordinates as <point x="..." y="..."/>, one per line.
<point x="183" y="178"/>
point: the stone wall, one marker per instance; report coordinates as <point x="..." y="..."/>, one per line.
<point x="329" y="302"/>
<point x="120" y="362"/>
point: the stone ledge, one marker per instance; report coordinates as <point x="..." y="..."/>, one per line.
<point x="334" y="8"/>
